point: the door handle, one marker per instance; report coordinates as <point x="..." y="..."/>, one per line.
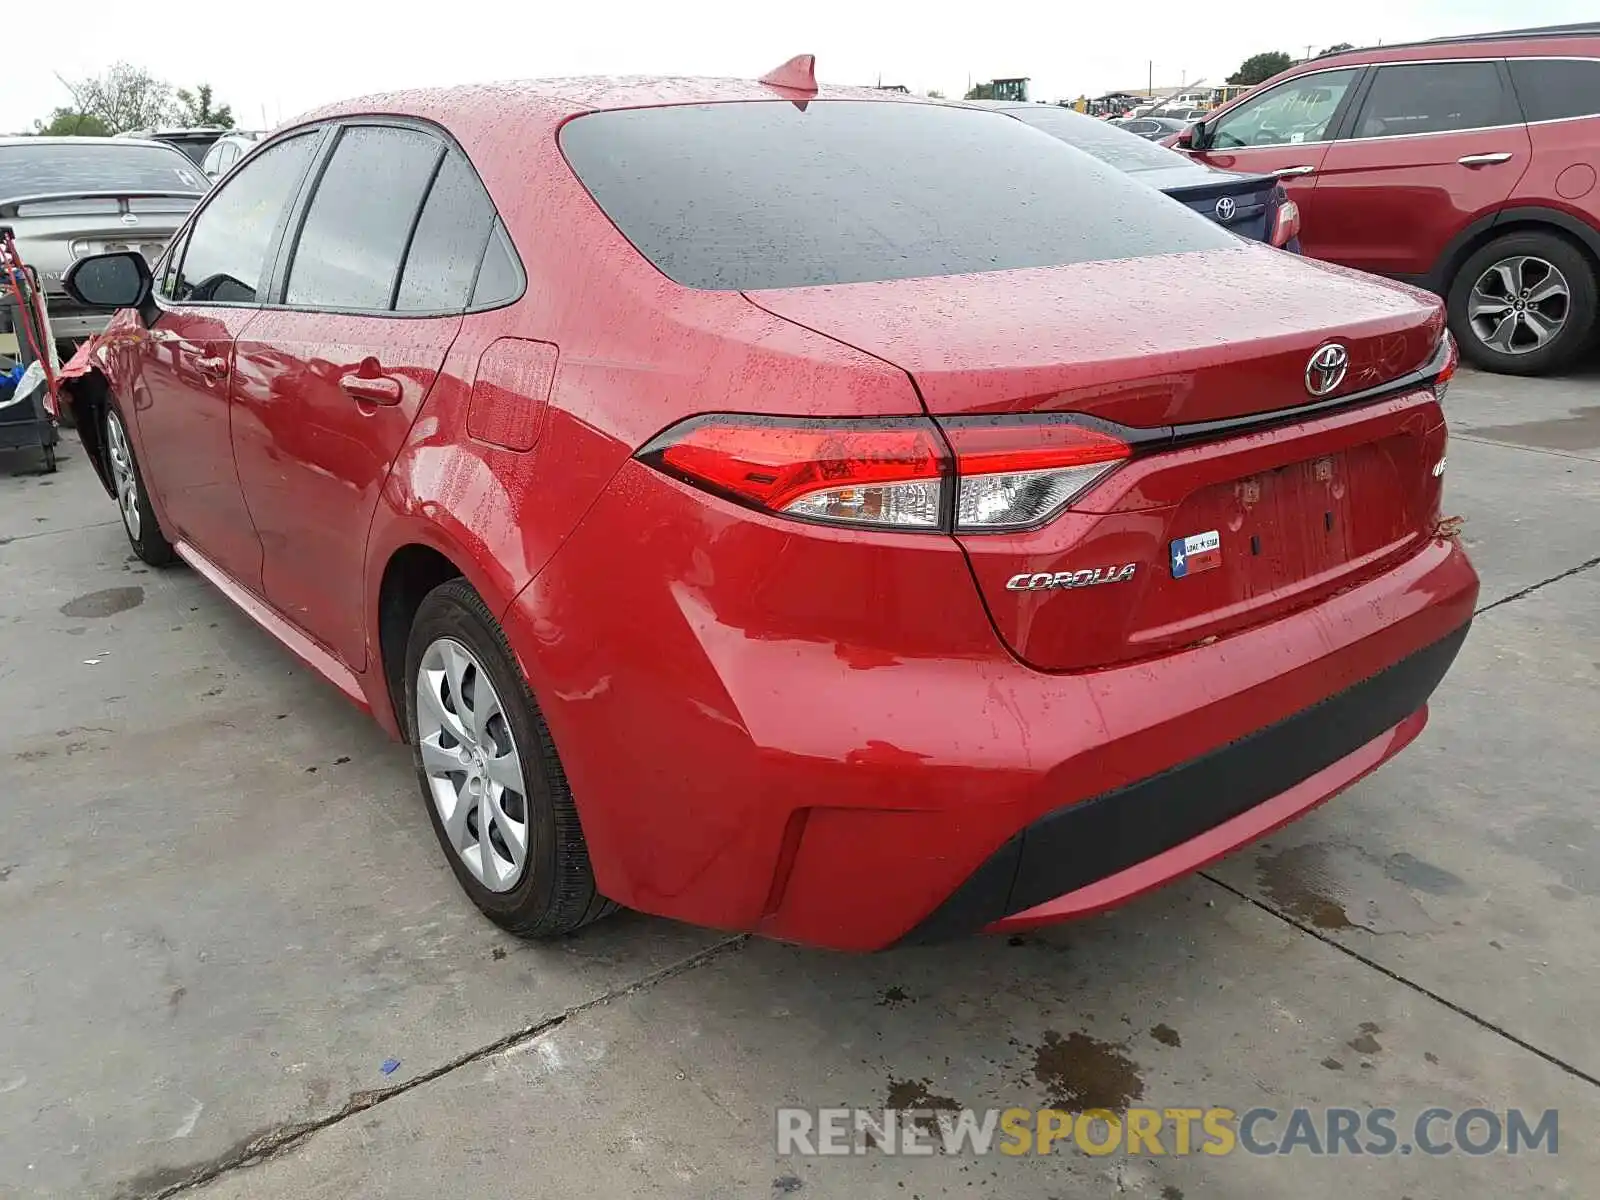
<point x="1291" y="172"/>
<point x="1485" y="160"/>
<point x="374" y="390"/>
<point x="212" y="368"/>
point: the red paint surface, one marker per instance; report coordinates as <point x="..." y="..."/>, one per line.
<point x="808" y="731"/>
<point x="1395" y="204"/>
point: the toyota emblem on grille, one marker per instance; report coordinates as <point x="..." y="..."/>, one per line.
<point x="129" y="218"/>
<point x="1226" y="208"/>
<point x="1326" y="369"/>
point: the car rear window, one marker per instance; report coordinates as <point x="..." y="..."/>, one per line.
<point x="1124" y="150"/>
<point x="99" y="166"/>
<point x="772" y="194"/>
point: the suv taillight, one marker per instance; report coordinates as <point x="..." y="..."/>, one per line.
<point x="982" y="474"/>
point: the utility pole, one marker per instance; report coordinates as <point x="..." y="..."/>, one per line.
<point x="1150" y="83"/>
<point x="1308" y="51"/>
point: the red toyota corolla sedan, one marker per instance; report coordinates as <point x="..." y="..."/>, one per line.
<point x="838" y="516"/>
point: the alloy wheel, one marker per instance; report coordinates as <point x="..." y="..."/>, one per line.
<point x="122" y="474"/>
<point x="1519" y="304"/>
<point x="473" y="770"/>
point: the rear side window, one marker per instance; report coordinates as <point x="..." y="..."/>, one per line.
<point x="1552" y="89"/>
<point x="359" y="220"/>
<point x="1435" y="98"/>
<point x="770" y="194"/>
<point x="449" y="241"/>
<point x="228" y="244"/>
<point x="500" y="277"/>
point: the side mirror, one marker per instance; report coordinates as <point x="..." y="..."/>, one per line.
<point x="117" y="280"/>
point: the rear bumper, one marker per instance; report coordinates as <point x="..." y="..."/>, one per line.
<point x="734" y="768"/>
<point x="1094" y="853"/>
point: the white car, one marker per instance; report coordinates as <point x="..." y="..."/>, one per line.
<point x="227" y="150"/>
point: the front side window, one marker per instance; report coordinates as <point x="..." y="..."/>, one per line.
<point x="1556" y="89"/>
<point x="227" y="250"/>
<point x="356" y="228"/>
<point x="1301" y="110"/>
<point x="1434" y="98"/>
<point x="767" y="194"/>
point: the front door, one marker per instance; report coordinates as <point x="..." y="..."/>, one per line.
<point x="1285" y="131"/>
<point x="330" y="383"/>
<point x="208" y="296"/>
<point x="1434" y="147"/>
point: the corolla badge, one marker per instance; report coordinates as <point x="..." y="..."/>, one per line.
<point x="1226" y="208"/>
<point x="1327" y="368"/>
<point x="1030" y="582"/>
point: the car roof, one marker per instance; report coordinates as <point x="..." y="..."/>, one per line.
<point x="554" y="100"/>
<point x="1537" y="40"/>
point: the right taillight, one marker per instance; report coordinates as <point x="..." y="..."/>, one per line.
<point x="898" y="473"/>
<point x="1447" y="372"/>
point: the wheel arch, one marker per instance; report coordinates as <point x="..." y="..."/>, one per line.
<point x="411" y="571"/>
<point x="1522" y="219"/>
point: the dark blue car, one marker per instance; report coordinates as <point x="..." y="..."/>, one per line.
<point x="1253" y="206"/>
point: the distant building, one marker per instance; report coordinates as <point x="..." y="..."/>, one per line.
<point x="1011" y="89"/>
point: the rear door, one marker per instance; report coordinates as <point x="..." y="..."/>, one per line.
<point x="372" y="288"/>
<point x="1433" y="147"/>
<point x="1285" y="131"/>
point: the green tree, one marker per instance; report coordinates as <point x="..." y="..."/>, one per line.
<point x="125" y="97"/>
<point x="980" y="91"/>
<point x="1259" y="68"/>
<point x="69" y="122"/>
<point x="194" y="108"/>
<point x="1339" y="49"/>
<point x="935" y="94"/>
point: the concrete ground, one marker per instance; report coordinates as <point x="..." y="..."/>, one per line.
<point x="222" y="908"/>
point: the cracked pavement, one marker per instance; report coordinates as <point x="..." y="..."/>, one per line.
<point x="222" y="909"/>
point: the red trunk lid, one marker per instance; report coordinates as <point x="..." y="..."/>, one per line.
<point x="1298" y="512"/>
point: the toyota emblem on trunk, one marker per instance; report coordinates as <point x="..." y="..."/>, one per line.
<point x="1226" y="208"/>
<point x="1326" y="369"/>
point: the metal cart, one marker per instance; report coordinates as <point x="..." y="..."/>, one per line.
<point x="30" y="421"/>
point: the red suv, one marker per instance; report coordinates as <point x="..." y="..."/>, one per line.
<point x="1470" y="166"/>
<point x="756" y="505"/>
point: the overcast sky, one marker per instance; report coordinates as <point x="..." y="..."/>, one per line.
<point x="273" y="60"/>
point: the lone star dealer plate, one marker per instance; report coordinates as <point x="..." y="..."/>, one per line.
<point x="1195" y="553"/>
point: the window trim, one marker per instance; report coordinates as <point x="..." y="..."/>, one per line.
<point x="1507" y="92"/>
<point x="180" y="240"/>
<point x="1548" y="58"/>
<point x="279" y="280"/>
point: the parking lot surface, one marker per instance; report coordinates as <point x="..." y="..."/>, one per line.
<point x="222" y="912"/>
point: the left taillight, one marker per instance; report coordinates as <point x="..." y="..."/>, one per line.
<point x="882" y="473"/>
<point x="1287" y="225"/>
<point x="978" y="475"/>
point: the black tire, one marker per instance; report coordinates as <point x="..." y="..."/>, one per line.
<point x="556" y="894"/>
<point x="150" y="542"/>
<point x="1577" y="333"/>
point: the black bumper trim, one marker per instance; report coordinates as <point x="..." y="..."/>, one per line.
<point x="1082" y="843"/>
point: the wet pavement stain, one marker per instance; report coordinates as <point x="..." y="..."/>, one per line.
<point x="785" y="1185"/>
<point x="1580" y="431"/>
<point x="1171" y="1193"/>
<point x="1166" y="1035"/>
<point x="1080" y="1072"/>
<point x="913" y="1095"/>
<point x="1338" y="886"/>
<point x="1364" y="1042"/>
<point x="893" y="997"/>
<point x="104" y="603"/>
<point x="1333" y="1064"/>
